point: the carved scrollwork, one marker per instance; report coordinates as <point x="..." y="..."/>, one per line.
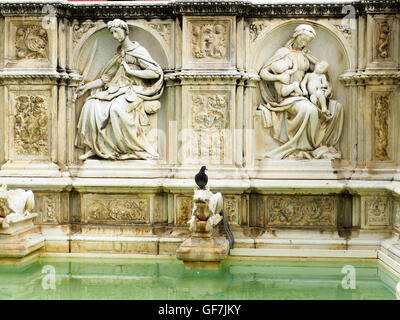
<point x="306" y="211"/>
<point x="383" y="40"/>
<point x="255" y="29"/>
<point x="80" y="28"/>
<point x="381" y="119"/>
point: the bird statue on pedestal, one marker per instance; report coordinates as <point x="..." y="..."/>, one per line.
<point x="201" y="178"/>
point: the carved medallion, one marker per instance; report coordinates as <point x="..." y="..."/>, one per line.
<point x="381" y="119"/>
<point x="210" y="40"/>
<point x="303" y="211"/>
<point x="31" y="42"/>
<point x="31" y="125"/>
<point x="117" y="211"/>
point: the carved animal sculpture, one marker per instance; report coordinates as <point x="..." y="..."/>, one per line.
<point x="15" y="203"/>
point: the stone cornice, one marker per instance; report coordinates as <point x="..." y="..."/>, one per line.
<point x="37" y="78"/>
<point x="164" y="9"/>
<point x="370" y="77"/>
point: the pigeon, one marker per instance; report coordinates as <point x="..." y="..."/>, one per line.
<point x="201" y="178"/>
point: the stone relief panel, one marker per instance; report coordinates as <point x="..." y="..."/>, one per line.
<point x="30" y="44"/>
<point x="396" y="215"/>
<point x="383" y="42"/>
<point x="183" y="211"/>
<point x="302" y="211"/>
<point x="209" y="121"/>
<point x="48" y="207"/>
<point x="381" y="116"/>
<point x="115" y="209"/>
<point x="208" y="43"/>
<point x="377" y="211"/>
<point x="232" y="208"/>
<point x="164" y="29"/>
<point x="30" y="125"/>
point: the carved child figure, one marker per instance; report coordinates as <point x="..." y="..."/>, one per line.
<point x="284" y="87"/>
<point x="317" y="86"/>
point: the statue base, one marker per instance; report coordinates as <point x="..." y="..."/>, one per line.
<point x="202" y="250"/>
<point x="20" y="238"/>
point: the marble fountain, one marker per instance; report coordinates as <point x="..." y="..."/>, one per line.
<point x="109" y="109"/>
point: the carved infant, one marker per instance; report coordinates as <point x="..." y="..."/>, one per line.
<point x="317" y="86"/>
<point x="14" y="204"/>
<point x="206" y="207"/>
<point x="284" y="87"/>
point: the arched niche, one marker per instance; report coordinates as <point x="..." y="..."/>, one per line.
<point x="329" y="45"/>
<point x="97" y="48"/>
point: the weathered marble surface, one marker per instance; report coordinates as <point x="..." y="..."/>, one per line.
<point x="211" y="55"/>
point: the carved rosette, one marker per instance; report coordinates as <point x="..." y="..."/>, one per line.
<point x="117" y="211"/>
<point x="381" y="127"/>
<point x="377" y="211"/>
<point x="184" y="207"/>
<point x="210" y="40"/>
<point x="31" y="42"/>
<point x="304" y="211"/>
<point x="210" y="118"/>
<point x="31" y="125"/>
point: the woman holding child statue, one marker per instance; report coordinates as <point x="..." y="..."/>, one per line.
<point x="296" y="102"/>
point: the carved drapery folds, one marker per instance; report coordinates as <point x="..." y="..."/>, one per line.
<point x="381" y="119"/>
<point x="31" y="125"/>
<point x="31" y="42"/>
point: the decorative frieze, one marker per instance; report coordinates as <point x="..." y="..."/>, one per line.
<point x="31" y="125"/>
<point x="302" y="211"/>
<point x="377" y="211"/>
<point x="115" y="209"/>
<point x="381" y="126"/>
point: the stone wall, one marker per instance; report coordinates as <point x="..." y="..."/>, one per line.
<point x="211" y="54"/>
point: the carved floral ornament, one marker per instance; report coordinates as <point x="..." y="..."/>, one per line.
<point x="31" y="42"/>
<point x="31" y="125"/>
<point x="383" y="40"/>
<point x="381" y="126"/>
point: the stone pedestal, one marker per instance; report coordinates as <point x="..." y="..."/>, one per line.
<point x="202" y="250"/>
<point x="20" y="238"/>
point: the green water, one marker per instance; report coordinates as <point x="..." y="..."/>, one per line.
<point x="90" y="278"/>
